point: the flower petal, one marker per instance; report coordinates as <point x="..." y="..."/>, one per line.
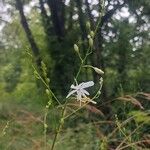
<point x="87" y="84"/>
<point x="73" y="87"/>
<point x="85" y="92"/>
<point x="72" y="92"/>
<point x="80" y="85"/>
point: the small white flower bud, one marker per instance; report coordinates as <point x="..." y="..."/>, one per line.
<point x="89" y="36"/>
<point x="76" y="48"/>
<point x="99" y="71"/>
<point x="101" y="81"/>
<point x="90" y="42"/>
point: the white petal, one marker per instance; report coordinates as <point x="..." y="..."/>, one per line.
<point x="73" y="87"/>
<point x="85" y="92"/>
<point x="72" y="92"/>
<point x="83" y="95"/>
<point x="80" y="85"/>
<point x="87" y="84"/>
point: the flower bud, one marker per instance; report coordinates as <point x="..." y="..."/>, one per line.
<point x="99" y="93"/>
<point x="88" y="25"/>
<point x="62" y="120"/>
<point x="90" y="42"/>
<point x="43" y="66"/>
<point x="45" y="125"/>
<point x="47" y="80"/>
<point x="36" y="74"/>
<point x="92" y="34"/>
<point x="99" y="71"/>
<point x="101" y="81"/>
<point x="76" y="48"/>
<point x="47" y="92"/>
<point x="45" y="74"/>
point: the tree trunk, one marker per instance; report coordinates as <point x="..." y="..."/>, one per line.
<point x="71" y="9"/>
<point x="45" y="19"/>
<point x="81" y="20"/>
<point x="28" y="32"/>
<point x="97" y="59"/>
<point x="57" y="9"/>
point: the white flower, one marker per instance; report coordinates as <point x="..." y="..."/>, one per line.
<point x="80" y="91"/>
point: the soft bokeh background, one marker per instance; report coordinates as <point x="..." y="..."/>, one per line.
<point x="48" y="30"/>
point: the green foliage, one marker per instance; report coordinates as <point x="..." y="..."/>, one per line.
<point x="140" y="117"/>
<point x="124" y="47"/>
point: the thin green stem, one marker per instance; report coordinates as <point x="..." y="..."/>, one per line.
<point x="131" y="144"/>
<point x="89" y="48"/>
<point x="76" y="77"/>
<point x="127" y="137"/>
<point x="59" y="127"/>
<point x="45" y="128"/>
<point x="50" y="90"/>
<point x="47" y="86"/>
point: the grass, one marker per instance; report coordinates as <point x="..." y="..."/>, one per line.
<point x="21" y="128"/>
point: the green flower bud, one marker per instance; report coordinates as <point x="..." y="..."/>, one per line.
<point x="88" y="25"/>
<point x="101" y="81"/>
<point x="36" y="75"/>
<point x="62" y="120"/>
<point x="90" y="42"/>
<point x="49" y="103"/>
<point x="44" y="72"/>
<point x="47" y="80"/>
<point x="99" y="71"/>
<point x="45" y="126"/>
<point x="47" y="92"/>
<point x="92" y="34"/>
<point x="76" y="48"/>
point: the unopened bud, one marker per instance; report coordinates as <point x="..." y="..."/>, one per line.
<point x="36" y="75"/>
<point x="62" y="120"/>
<point x="45" y="125"/>
<point x="44" y="72"/>
<point x="92" y="34"/>
<point x="47" y="80"/>
<point x="99" y="92"/>
<point x="101" y="81"/>
<point x="88" y="25"/>
<point x="90" y="42"/>
<point x="99" y="71"/>
<point x="43" y="66"/>
<point x="76" y="48"/>
<point x="47" y="92"/>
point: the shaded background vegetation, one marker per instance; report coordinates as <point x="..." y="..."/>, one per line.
<point x="48" y="29"/>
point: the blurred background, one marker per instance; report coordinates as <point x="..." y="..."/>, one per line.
<point x="48" y="29"/>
